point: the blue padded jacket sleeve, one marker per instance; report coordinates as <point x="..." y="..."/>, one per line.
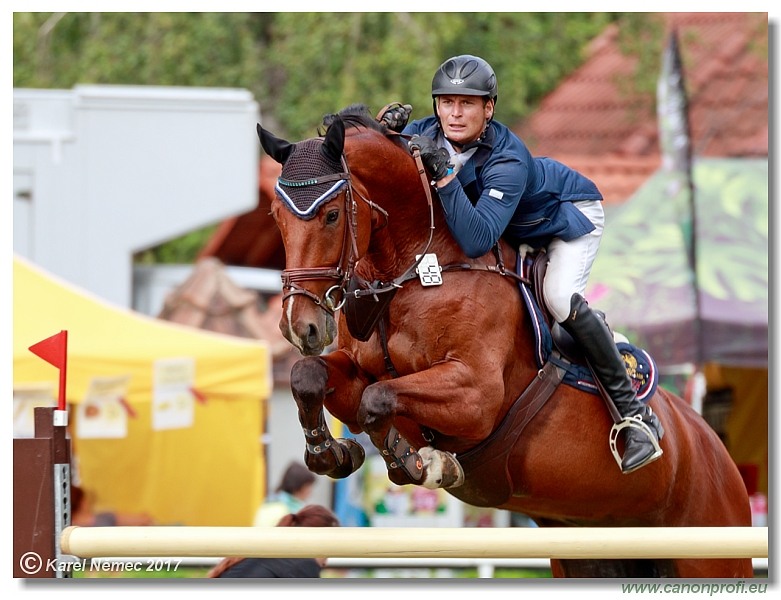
<point x="477" y="228"/>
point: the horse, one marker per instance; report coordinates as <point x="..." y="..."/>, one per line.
<point x="432" y="360"/>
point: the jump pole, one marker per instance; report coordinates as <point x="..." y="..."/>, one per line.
<point x="351" y="542"/>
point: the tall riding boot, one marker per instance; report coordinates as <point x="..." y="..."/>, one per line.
<point x="594" y="338"/>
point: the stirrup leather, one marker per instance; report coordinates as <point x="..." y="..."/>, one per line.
<point x="633" y="422"/>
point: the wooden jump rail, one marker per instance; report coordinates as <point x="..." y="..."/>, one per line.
<point x="350" y="542"/>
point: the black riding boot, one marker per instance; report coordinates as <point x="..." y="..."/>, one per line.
<point x="594" y="338"/>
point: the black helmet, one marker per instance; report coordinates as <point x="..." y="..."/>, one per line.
<point x="465" y="75"/>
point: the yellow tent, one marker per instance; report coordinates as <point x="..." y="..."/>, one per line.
<point x="179" y="411"/>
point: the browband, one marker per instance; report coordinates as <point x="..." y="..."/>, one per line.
<point x="324" y="197"/>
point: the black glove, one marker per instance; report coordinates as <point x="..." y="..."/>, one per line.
<point x="395" y="116"/>
<point x="435" y="159"/>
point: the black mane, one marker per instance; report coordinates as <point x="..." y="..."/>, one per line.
<point x="355" y="115"/>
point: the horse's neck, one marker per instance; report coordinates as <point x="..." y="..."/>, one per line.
<point x="397" y="241"/>
<point x="392" y="182"/>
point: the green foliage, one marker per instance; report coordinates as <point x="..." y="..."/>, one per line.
<point x="183" y="250"/>
<point x="376" y="58"/>
<point x="301" y="66"/>
<point x="59" y="50"/>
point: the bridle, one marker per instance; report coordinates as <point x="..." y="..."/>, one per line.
<point x="336" y="295"/>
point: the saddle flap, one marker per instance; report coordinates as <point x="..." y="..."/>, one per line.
<point x="538" y="270"/>
<point x="364" y="310"/>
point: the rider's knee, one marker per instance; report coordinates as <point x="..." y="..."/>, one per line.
<point x="558" y="300"/>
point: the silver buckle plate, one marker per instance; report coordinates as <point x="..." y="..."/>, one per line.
<point x="429" y="272"/>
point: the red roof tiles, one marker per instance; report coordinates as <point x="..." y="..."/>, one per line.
<point x="592" y="123"/>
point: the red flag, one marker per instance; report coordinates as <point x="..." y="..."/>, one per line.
<point x="54" y="350"/>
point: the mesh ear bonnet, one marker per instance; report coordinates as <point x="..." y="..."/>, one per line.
<point x="299" y="188"/>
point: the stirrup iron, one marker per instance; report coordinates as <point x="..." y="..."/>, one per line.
<point x="637" y="423"/>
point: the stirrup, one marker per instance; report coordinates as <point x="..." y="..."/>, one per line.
<point x="637" y="423"/>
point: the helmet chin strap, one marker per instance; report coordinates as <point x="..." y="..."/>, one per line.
<point x="463" y="147"/>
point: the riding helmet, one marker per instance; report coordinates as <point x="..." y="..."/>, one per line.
<point x="465" y="75"/>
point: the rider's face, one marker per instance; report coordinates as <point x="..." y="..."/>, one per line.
<point x="463" y="118"/>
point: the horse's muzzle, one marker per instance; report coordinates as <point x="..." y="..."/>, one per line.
<point x="311" y="336"/>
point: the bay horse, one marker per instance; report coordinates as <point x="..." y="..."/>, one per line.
<point x="432" y="372"/>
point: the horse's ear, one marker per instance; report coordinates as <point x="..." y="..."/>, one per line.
<point x="333" y="144"/>
<point x="275" y="147"/>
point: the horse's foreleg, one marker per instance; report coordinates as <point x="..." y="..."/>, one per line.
<point x="337" y="458"/>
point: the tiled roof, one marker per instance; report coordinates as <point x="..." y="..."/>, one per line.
<point x="593" y="124"/>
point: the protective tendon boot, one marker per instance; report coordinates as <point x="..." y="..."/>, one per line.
<point x="596" y="341"/>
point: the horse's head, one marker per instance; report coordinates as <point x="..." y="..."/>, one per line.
<point x="318" y="217"/>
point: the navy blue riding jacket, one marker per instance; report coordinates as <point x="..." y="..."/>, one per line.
<point x="504" y="190"/>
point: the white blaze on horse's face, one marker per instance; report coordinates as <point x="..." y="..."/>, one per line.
<point x="305" y="322"/>
<point x="311" y="333"/>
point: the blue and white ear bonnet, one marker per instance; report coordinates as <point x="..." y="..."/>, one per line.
<point x="309" y="179"/>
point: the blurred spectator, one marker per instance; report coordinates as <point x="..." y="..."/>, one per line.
<point x="313" y="515"/>
<point x="290" y="496"/>
<point x="83" y="515"/>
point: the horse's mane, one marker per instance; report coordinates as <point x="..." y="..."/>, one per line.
<point x="355" y="115"/>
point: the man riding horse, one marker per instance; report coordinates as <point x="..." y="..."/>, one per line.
<point x="490" y="185"/>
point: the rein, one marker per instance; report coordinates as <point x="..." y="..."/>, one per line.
<point x="410" y="272"/>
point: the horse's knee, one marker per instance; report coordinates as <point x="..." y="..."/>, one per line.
<point x="308" y="379"/>
<point x="377" y="405"/>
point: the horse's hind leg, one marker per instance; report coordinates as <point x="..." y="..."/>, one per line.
<point x="324" y="454"/>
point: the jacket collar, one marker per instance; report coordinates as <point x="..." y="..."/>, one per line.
<point x="484" y="144"/>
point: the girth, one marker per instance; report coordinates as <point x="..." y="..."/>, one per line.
<point x="488" y="482"/>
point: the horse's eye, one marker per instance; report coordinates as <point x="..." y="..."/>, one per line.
<point x="331" y="217"/>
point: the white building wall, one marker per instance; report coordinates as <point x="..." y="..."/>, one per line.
<point x="102" y="172"/>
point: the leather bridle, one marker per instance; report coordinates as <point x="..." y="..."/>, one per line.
<point x="334" y="298"/>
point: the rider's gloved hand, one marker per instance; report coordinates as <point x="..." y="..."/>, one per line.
<point x="434" y="158"/>
<point x="395" y="116"/>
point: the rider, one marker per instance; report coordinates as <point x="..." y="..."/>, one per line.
<point x="490" y="185"/>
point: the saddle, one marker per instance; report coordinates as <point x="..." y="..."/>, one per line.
<point x="558" y="346"/>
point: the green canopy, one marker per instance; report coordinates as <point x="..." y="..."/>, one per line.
<point x="643" y="282"/>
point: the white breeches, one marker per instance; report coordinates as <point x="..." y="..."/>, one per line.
<point x="570" y="262"/>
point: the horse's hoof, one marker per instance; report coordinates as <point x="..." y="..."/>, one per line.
<point x="353" y="456"/>
<point x="442" y="469"/>
<point x="357" y="454"/>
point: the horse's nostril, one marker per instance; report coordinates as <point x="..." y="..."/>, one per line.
<point x="312" y="335"/>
